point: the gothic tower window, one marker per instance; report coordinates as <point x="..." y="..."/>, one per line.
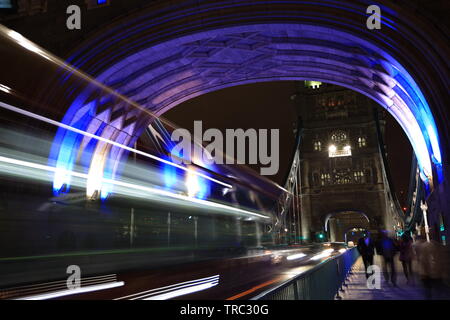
<point x="358" y="176"/>
<point x="317" y="146"/>
<point x="325" y="179"/>
<point x="339" y="146"/>
<point x="342" y="176"/>
<point x="361" y="142"/>
<point x="339" y="137"/>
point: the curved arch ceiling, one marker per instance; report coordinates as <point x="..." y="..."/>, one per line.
<point x="163" y="75"/>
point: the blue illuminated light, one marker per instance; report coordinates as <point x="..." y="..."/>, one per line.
<point x="66" y="143"/>
<point x="421" y="111"/>
<point x="170" y="176"/>
<point x="204" y="188"/>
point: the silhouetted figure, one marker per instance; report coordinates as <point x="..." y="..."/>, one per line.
<point x="406" y="256"/>
<point x="430" y="264"/>
<point x="388" y="248"/>
<point x="366" y="249"/>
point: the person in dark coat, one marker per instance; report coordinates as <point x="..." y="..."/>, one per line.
<point x="406" y="256"/>
<point x="366" y="249"/>
<point x="388" y="249"/>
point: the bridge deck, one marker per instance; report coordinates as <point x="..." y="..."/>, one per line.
<point x="357" y="289"/>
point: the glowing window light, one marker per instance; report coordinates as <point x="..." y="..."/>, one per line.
<point x="333" y="151"/>
<point x="317" y="146"/>
<point x="361" y="142"/>
<point x="312" y="84"/>
<point x="339" y="137"/>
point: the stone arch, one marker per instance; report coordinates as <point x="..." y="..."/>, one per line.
<point x="355" y="235"/>
<point x="338" y="223"/>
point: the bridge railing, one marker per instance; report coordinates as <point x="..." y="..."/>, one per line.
<point x="322" y="282"/>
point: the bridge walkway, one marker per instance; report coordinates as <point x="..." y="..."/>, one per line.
<point x="356" y="288"/>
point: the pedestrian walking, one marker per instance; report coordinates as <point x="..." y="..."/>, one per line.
<point x="388" y="248"/>
<point x="366" y="249"/>
<point x="406" y="256"/>
<point x="430" y="266"/>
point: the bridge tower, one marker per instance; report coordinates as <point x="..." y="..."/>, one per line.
<point x="344" y="190"/>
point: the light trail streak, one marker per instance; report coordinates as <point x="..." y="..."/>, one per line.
<point x="28" y="291"/>
<point x="175" y="290"/>
<point x="128" y="185"/>
<point x="296" y="256"/>
<point x="323" y="254"/>
<point x="87" y="134"/>
<point x="30" y="46"/>
<point x="68" y="292"/>
<point x="247" y="292"/>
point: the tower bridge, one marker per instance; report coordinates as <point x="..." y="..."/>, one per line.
<point x="85" y="147"/>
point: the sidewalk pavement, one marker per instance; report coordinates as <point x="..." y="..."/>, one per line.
<point x="355" y="287"/>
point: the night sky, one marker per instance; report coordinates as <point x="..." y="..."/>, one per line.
<point x="268" y="106"/>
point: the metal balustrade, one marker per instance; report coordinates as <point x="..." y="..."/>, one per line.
<point x="322" y="282"/>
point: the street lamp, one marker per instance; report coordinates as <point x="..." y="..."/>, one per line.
<point x="424" y="207"/>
